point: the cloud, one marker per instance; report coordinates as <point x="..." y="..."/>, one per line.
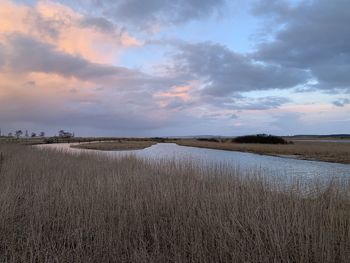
<point x="234" y="116"/>
<point x="305" y="123"/>
<point x="92" y="37"/>
<point x="69" y="118"/>
<point x="147" y="14"/>
<point x="124" y="106"/>
<point x="2" y="55"/>
<point x="341" y="102"/>
<point x="60" y="68"/>
<point x="26" y="54"/>
<point x="177" y="97"/>
<point x="100" y="23"/>
<point x="225" y="72"/>
<point x="52" y="104"/>
<point x="263" y="103"/>
<point x="30" y="84"/>
<point x="315" y="36"/>
<point x="248" y="103"/>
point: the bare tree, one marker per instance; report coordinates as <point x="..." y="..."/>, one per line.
<point x="64" y="134"/>
<point x="18" y="133"/>
<point x="61" y="133"/>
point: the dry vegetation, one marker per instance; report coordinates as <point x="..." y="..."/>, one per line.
<point x="322" y="151"/>
<point x="115" y="145"/>
<point x="337" y="152"/>
<point x="56" y="207"/>
<point x="55" y="139"/>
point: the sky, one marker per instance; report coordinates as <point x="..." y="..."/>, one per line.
<point x="175" y="67"/>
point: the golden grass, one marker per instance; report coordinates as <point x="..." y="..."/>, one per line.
<point x="57" y="207"/>
<point x="115" y="145"/>
<point x="321" y="151"/>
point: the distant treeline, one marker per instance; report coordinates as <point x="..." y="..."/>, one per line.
<point x="208" y="139"/>
<point x="260" y="138"/>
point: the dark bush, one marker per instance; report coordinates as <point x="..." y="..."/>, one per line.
<point x="50" y="140"/>
<point x="208" y="140"/>
<point x="158" y="139"/>
<point x="260" y="138"/>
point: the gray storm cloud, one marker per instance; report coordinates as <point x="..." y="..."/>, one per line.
<point x="225" y="72"/>
<point x="315" y="37"/>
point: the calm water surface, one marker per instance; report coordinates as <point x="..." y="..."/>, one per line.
<point x="269" y="164"/>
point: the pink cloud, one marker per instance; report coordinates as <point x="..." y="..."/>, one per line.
<point x="61" y="26"/>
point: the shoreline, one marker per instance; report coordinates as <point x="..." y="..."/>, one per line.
<point x="260" y="149"/>
<point x="114" y="145"/>
<point x="299" y="151"/>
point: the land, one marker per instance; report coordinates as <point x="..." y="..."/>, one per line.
<point x="307" y="150"/>
<point x="302" y="147"/>
<point x="56" y="139"/>
<point x="320" y="137"/>
<point x="61" y="207"/>
<point x="118" y="145"/>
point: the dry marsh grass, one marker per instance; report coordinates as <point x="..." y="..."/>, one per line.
<point x="55" y="139"/>
<point x="115" y="145"/>
<point x="56" y="207"/>
<point x="322" y="151"/>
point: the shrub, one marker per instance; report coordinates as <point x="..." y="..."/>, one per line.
<point x="158" y="139"/>
<point x="208" y="140"/>
<point x="50" y="140"/>
<point x="260" y="138"/>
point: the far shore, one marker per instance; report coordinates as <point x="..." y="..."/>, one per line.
<point x="315" y="150"/>
<point x="305" y="150"/>
<point x="119" y="145"/>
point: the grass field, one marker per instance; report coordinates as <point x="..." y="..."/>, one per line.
<point x="115" y="145"/>
<point x="57" y="207"/>
<point x="309" y="150"/>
